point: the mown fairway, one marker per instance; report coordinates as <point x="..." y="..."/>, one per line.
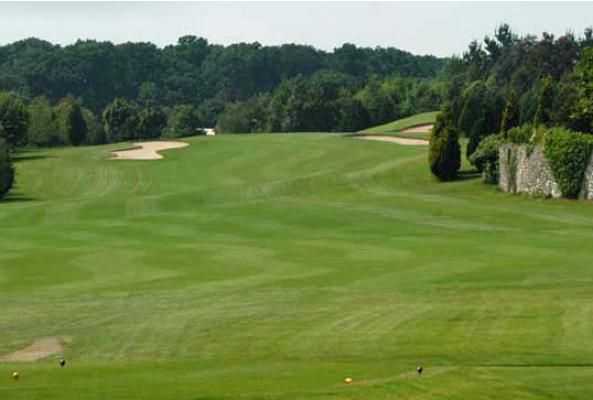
<point x="396" y="127"/>
<point x="274" y="266"/>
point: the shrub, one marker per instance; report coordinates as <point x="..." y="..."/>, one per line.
<point x="519" y="134"/>
<point x="526" y="134"/>
<point x="485" y="158"/>
<point x="444" y="155"/>
<point x="568" y="153"/>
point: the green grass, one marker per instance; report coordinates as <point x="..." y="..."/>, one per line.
<point x="274" y="266"/>
<point x="394" y="128"/>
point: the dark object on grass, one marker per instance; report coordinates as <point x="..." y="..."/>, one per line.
<point x="62" y="363"/>
<point x="419" y="370"/>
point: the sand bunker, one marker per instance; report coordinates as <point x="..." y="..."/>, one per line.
<point x="419" y="129"/>
<point x="398" y="140"/>
<point x="147" y="150"/>
<point x="40" y="349"/>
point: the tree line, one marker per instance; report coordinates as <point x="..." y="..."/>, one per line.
<point x="67" y="123"/>
<point x="332" y="101"/>
<point x="326" y="101"/>
<point x="505" y="82"/>
<point x="192" y="71"/>
<point x="239" y="88"/>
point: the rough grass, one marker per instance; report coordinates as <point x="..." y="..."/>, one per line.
<point x="274" y="266"/>
<point x="395" y="128"/>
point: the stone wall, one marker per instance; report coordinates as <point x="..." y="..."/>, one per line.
<point x="587" y="189"/>
<point x="526" y="170"/>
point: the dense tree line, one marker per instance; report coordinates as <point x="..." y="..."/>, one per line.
<point x="192" y="71"/>
<point x="332" y="101"/>
<point x="508" y="81"/>
<point x="67" y="123"/>
<point x="96" y="92"/>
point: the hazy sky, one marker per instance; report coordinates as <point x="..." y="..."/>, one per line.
<point x="425" y="28"/>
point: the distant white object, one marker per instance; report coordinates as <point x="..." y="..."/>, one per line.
<point x="209" y="131"/>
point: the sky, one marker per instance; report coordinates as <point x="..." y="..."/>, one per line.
<point x="439" y="28"/>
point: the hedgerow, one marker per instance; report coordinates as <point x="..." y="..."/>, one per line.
<point x="568" y="153"/>
<point x="524" y="134"/>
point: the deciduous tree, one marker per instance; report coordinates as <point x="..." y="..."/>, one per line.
<point x="14" y="119"/>
<point x="70" y="121"/>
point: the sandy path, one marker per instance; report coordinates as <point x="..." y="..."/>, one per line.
<point x="419" y="129"/>
<point x="39" y="349"/>
<point x="147" y="150"/>
<point x="398" y="140"/>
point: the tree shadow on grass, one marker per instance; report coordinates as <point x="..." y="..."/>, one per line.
<point x="467" y="175"/>
<point x="29" y="156"/>
<point x="16" y="198"/>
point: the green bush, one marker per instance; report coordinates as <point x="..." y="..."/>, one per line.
<point x="444" y="155"/>
<point x="520" y="134"/>
<point x="525" y="134"/>
<point x="485" y="158"/>
<point x="568" y="153"/>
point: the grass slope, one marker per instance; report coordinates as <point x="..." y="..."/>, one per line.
<point x="273" y="266"/>
<point x="394" y="128"/>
